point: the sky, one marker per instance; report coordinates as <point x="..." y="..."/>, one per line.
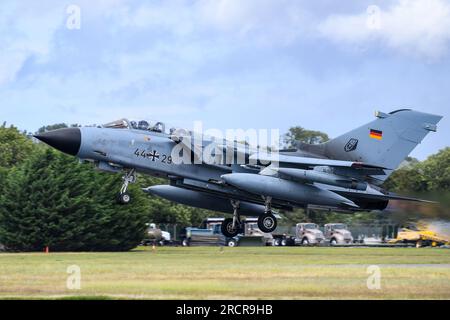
<point x="324" y="65"/>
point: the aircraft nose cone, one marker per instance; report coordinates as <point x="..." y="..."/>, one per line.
<point x="67" y="140"/>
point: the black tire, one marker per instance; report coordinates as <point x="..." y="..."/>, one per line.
<point x="267" y="223"/>
<point x="305" y="241"/>
<point x="124" y="198"/>
<point x="284" y="242"/>
<point x="333" y="242"/>
<point x="185" y="243"/>
<point x="276" y="242"/>
<point x="227" y="228"/>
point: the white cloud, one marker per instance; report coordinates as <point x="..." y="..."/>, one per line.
<point x="28" y="29"/>
<point x="263" y="21"/>
<point x="266" y="21"/>
<point x="11" y="62"/>
<point x="193" y="31"/>
<point x="177" y="16"/>
<point x="25" y="33"/>
<point x="417" y="27"/>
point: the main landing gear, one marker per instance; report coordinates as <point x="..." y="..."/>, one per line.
<point x="124" y="197"/>
<point x="267" y="222"/>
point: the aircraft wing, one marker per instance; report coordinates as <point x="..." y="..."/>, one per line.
<point x="306" y="163"/>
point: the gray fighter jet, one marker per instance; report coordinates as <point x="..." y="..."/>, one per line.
<point x="344" y="173"/>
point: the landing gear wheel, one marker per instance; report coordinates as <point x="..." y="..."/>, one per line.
<point x="227" y="228"/>
<point x="124" y="198"/>
<point x="267" y="223"/>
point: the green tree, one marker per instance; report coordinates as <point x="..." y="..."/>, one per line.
<point x="431" y="175"/>
<point x="52" y="127"/>
<point x="298" y="133"/>
<point x="55" y="127"/>
<point x="14" y="146"/>
<point x="407" y="179"/>
<point x="436" y="170"/>
<point x="52" y="200"/>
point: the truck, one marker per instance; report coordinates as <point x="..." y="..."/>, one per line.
<point x="210" y="233"/>
<point x="253" y="235"/>
<point x="419" y="237"/>
<point x="155" y="236"/>
<point x="337" y="234"/>
<point x="212" y="236"/>
<point x="305" y="234"/>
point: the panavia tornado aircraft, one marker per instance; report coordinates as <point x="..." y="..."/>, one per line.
<point x="344" y="173"/>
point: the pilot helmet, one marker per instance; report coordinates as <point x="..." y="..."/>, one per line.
<point x="143" y="125"/>
<point x="158" y="127"/>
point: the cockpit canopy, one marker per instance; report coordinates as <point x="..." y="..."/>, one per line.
<point x="148" y="126"/>
<point x="118" y="124"/>
<point x="145" y="125"/>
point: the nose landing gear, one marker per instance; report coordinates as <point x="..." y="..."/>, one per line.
<point x="124" y="197"/>
<point x="230" y="226"/>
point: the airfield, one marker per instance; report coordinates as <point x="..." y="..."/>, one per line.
<point x="229" y="273"/>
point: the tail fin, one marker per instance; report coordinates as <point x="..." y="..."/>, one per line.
<point x="384" y="142"/>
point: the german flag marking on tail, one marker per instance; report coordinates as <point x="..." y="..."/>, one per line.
<point x="376" y="134"/>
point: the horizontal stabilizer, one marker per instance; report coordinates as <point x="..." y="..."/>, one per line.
<point x="390" y="196"/>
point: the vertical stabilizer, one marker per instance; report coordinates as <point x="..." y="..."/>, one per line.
<point x="384" y="142"/>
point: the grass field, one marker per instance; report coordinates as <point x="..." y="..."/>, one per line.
<point x="230" y="273"/>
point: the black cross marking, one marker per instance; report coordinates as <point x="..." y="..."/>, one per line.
<point x="154" y="155"/>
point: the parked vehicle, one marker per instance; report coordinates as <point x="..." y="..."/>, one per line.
<point x="156" y="236"/>
<point x="210" y="233"/>
<point x="209" y="236"/>
<point x="251" y="231"/>
<point x="337" y="233"/>
<point x="420" y="237"/>
<point x="305" y="234"/>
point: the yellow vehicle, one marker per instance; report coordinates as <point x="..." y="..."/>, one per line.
<point x="419" y="237"/>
